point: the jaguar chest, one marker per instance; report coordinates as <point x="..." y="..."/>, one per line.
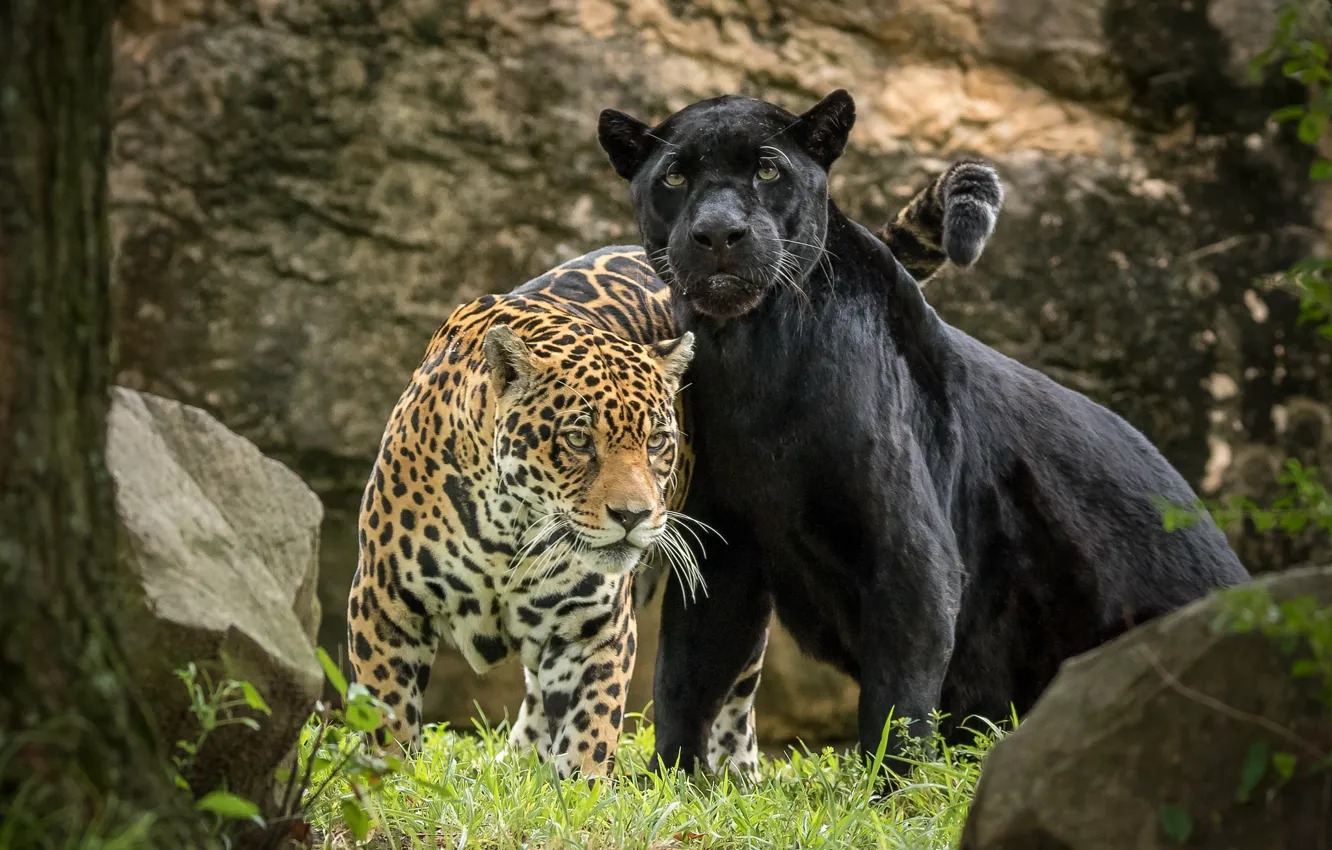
<point x="521" y="607"/>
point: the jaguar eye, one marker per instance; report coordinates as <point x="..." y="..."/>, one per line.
<point x="768" y="172"/>
<point x="657" y="441"/>
<point x="579" y="440"/>
<point x="674" y="179"/>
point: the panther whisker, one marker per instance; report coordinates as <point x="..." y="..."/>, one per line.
<point x="669" y="145"/>
<point x="683" y="563"/>
<point x="778" y="152"/>
<point x="689" y="570"/>
<point x="686" y="518"/>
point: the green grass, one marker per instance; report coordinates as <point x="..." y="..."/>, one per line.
<point x="459" y="793"/>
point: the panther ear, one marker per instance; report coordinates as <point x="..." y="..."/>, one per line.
<point x="510" y="362"/>
<point x="625" y="139"/>
<point x="675" y="356"/>
<point x="822" y="130"/>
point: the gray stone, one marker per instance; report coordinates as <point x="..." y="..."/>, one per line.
<point x="1165" y="717"/>
<point x="224" y="543"/>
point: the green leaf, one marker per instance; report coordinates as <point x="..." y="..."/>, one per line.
<point x="181" y="783"/>
<point x="1176" y="823"/>
<point x="1284" y="765"/>
<point x="1311" y="127"/>
<point x="1251" y="773"/>
<point x="1304" y="667"/>
<point x="1259" y="62"/>
<point x="253" y="700"/>
<point x="331" y="670"/>
<point x="229" y="805"/>
<point x="355" y="818"/>
<point x="1321" y="170"/>
<point x="362" y="716"/>
<point x="357" y="691"/>
<point x="1287" y="113"/>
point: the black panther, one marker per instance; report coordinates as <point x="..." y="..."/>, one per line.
<point x="941" y="522"/>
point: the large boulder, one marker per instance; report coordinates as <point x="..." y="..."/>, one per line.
<point x="1174" y="735"/>
<point x="224" y="543"/>
<point x="303" y="189"/>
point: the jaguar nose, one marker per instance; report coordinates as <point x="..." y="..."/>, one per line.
<point x="628" y="518"/>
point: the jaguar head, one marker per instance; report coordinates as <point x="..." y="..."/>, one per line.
<point x="587" y="440"/>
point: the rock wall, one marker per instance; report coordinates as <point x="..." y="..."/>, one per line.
<point x="304" y="188"/>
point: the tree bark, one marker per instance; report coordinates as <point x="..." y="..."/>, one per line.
<point x="75" y="749"/>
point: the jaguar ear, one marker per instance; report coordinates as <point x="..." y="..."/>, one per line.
<point x="823" y="129"/>
<point x="675" y="356"/>
<point x="510" y="362"/>
<point x="625" y="139"/>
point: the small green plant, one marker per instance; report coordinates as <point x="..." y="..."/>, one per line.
<point x="1305" y="503"/>
<point x="339" y="746"/>
<point x="1300" y="47"/>
<point x="1300" y="627"/>
<point x="336" y="745"/>
<point x="214" y="706"/>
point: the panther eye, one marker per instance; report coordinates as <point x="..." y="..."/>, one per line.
<point x="768" y="172"/>
<point x="657" y="441"/>
<point x="579" y="440"/>
<point x="674" y="179"/>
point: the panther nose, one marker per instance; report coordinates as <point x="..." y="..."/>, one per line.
<point x="718" y="237"/>
<point x="628" y="517"/>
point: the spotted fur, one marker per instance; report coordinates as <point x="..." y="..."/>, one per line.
<point x="486" y="525"/>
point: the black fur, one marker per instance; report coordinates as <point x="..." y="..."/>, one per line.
<point x="939" y="521"/>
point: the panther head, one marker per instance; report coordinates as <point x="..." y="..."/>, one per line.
<point x="731" y="194"/>
<point x="586" y="438"/>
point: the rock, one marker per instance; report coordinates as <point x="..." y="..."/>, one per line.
<point x="1157" y="727"/>
<point x="303" y="189"/>
<point x="224" y="542"/>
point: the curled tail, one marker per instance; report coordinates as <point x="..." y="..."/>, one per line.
<point x="950" y="219"/>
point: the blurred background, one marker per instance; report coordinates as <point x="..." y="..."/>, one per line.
<point x="303" y="189"/>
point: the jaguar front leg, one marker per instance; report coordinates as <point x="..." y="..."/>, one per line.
<point x="392" y="647"/>
<point x="531" y="728"/>
<point x="584" y="685"/>
<point x="733" y="741"/>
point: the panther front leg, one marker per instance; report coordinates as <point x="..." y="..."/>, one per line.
<point x="584" y="685"/>
<point x="733" y="741"/>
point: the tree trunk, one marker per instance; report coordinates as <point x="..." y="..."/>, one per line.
<point x="76" y="752"/>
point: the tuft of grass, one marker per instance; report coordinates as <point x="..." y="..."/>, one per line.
<point x="463" y="790"/>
